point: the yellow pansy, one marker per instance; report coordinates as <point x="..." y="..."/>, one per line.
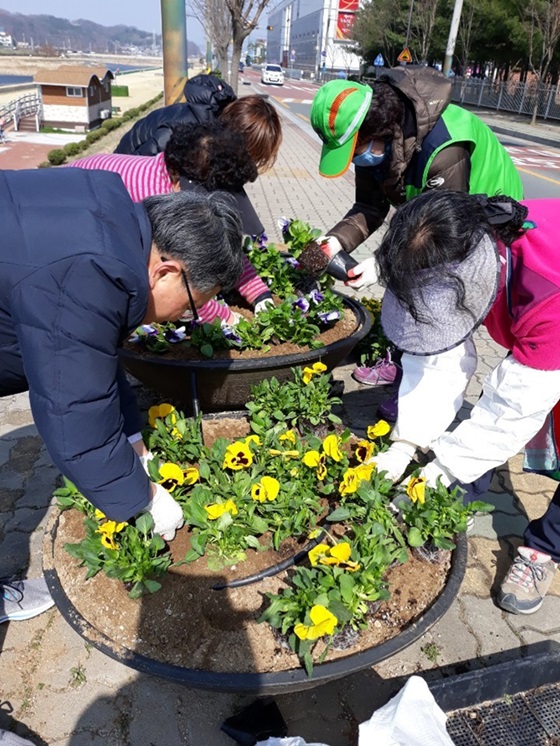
<point x="108" y="542"/>
<point x="267" y="489"/>
<point x="350" y="482"/>
<point x="99" y="514"/>
<point x="111" y="527"/>
<point x="160" y="412"/>
<point x="176" y="434"/>
<point x="315" y="370"/>
<point x="285" y="454"/>
<point x="378" y="430"/>
<point x="331" y="446"/>
<point x="253" y="439"/>
<point x="338" y="555"/>
<point x="238" y="456"/>
<point x="218" y="509"/>
<point x="289" y="435"/>
<point x="323" y="623"/>
<point x="192" y="475"/>
<point x="317" y="552"/>
<point x="316" y="460"/>
<point x="171" y="476"/>
<point x="364" y="450"/>
<point x="364" y="471"/>
<point x="416" y="489"/>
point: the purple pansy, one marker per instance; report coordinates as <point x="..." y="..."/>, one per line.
<point x="328" y="317"/>
<point x="301" y="303"/>
<point x="291" y="261"/>
<point x="284" y="224"/>
<point x="231" y="335"/>
<point x="175" y="335"/>
<point x="316" y="296"/>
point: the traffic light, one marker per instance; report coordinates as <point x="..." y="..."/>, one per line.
<point x="269" y="28"/>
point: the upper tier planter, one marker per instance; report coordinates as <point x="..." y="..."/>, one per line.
<point x="225" y="384"/>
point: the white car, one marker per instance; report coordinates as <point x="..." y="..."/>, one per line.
<point x="272" y="74"/>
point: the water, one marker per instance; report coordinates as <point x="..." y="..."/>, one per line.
<point x="113" y="66"/>
<point x="15" y="79"/>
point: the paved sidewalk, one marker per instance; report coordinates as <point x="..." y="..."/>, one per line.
<point x="110" y="704"/>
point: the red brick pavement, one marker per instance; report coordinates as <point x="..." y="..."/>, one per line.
<point x="17" y="155"/>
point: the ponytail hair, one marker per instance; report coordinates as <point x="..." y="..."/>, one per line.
<point x="505" y="215"/>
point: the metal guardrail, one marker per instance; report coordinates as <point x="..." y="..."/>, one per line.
<point x="510" y="95"/>
<point x="513" y="96"/>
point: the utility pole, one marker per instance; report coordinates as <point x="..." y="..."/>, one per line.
<point x="174" y="43"/>
<point x="452" y="36"/>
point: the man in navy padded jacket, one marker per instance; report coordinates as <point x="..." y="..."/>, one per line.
<point x="81" y="266"/>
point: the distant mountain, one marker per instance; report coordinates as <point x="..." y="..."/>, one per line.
<point x="80" y="35"/>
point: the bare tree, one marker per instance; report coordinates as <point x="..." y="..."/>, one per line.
<point x="468" y="26"/>
<point x="245" y="16"/>
<point x="423" y="22"/>
<point x="544" y="34"/>
<point x="214" y="15"/>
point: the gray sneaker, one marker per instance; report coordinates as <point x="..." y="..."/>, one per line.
<point x="23" y="599"/>
<point x="527" y="582"/>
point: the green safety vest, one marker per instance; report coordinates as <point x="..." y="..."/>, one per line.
<point x="492" y="170"/>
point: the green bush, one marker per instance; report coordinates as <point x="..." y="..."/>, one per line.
<point x="56" y="157"/>
<point x="120" y="90"/>
<point x="94" y="135"/>
<point x="72" y="148"/>
<point x="44" y="164"/>
<point x="111" y="124"/>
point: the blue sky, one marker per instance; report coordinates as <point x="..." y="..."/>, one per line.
<point x="144" y="14"/>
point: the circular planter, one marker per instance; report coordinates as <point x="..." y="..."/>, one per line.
<point x="218" y="385"/>
<point x="281" y="682"/>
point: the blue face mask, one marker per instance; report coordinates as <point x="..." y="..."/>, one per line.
<point x="369" y="159"/>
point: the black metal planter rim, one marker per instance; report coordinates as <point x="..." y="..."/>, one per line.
<point x="281" y="682"/>
<point x="364" y="322"/>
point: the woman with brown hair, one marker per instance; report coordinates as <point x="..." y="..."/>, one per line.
<point x="210" y="98"/>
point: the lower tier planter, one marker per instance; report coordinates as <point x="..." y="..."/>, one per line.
<point x="207" y="639"/>
<point x="225" y="383"/>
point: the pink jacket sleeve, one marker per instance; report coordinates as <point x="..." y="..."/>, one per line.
<point x="250" y="285"/>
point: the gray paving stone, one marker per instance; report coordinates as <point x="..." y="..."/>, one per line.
<point x="488" y="626"/>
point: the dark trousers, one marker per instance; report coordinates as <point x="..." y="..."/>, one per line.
<point x="543" y="533"/>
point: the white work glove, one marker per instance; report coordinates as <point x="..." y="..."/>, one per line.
<point x="233" y="319"/>
<point x="365" y="273"/>
<point x="263" y="305"/>
<point x="166" y="512"/>
<point x="395" y="460"/>
<point x="333" y="243"/>
<point x="432" y="471"/>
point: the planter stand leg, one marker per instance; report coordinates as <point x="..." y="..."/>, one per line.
<point x="258" y="721"/>
<point x="194" y="394"/>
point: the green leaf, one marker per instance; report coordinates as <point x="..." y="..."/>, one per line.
<point x="152" y="585"/>
<point x="145" y="523"/>
<point x="414" y="537"/>
<point x="340" y="514"/>
<point x="340" y="611"/>
<point x="253" y="542"/>
<point x="478" y="506"/>
<point x="207" y="350"/>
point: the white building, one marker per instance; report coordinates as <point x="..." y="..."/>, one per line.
<point x="312" y="35"/>
<point x="6" y="39"/>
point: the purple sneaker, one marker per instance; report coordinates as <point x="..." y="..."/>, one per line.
<point x="389" y="410"/>
<point x="383" y="373"/>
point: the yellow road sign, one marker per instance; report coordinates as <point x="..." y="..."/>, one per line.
<point x="405" y="56"/>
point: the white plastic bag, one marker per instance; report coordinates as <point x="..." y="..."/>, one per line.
<point x="411" y="718"/>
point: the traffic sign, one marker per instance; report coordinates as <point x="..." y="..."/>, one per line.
<point x="405" y="56"/>
<point x="379" y="61"/>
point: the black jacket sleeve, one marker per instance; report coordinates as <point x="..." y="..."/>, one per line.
<point x="367" y="214"/>
<point x="450" y="169"/>
<point x="69" y="343"/>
